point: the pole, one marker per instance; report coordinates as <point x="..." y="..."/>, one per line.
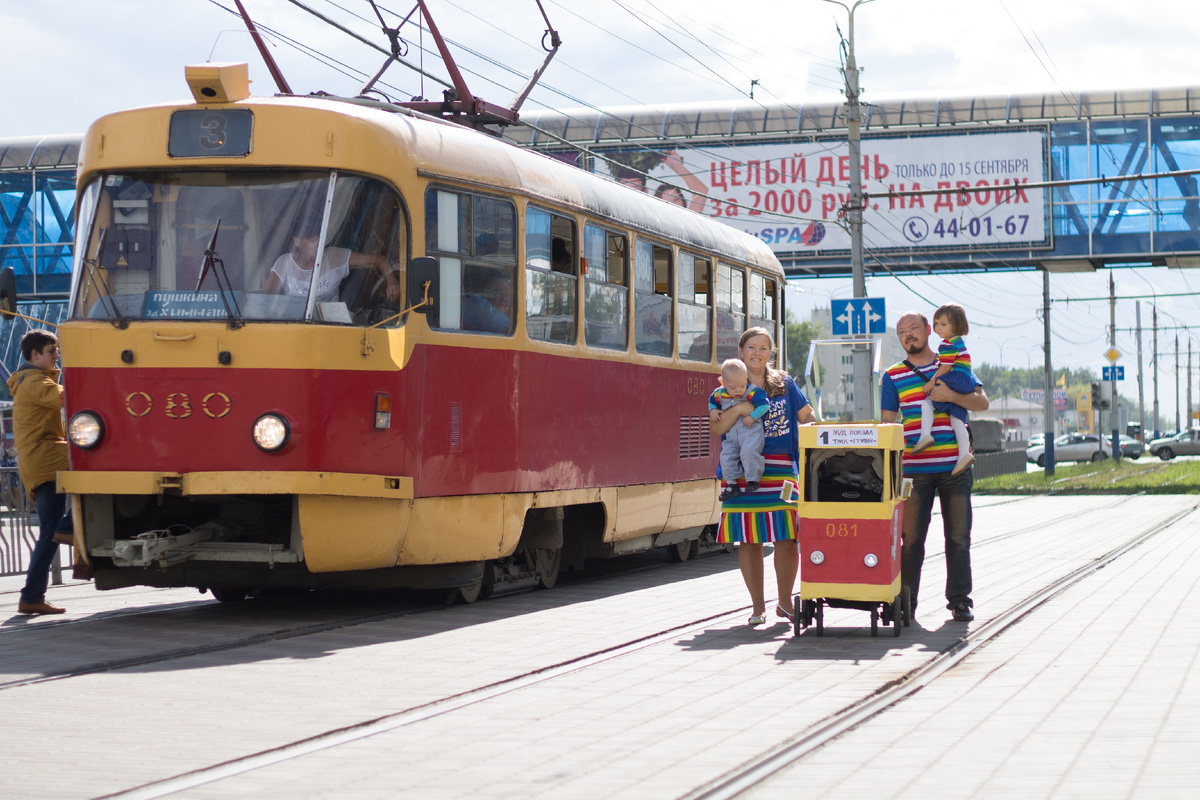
<point x="1141" y="380"/>
<point x="1114" y="414"/>
<point x="1189" y="386"/>
<point x="1154" y="361"/>
<point x="1048" y="386"/>
<point x="1177" y="428"/>
<point x="864" y="407"/>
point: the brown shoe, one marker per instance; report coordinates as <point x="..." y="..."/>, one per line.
<point x="65" y="538"/>
<point x="38" y="608"/>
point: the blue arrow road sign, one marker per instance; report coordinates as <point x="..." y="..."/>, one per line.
<point x="858" y="316"/>
<point x="1108" y="373"/>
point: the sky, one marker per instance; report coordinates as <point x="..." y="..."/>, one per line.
<point x="87" y="58"/>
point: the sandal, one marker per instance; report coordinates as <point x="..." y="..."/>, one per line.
<point x="779" y="612"/>
<point x="757" y="619"/>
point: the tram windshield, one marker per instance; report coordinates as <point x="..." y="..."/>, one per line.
<point x="242" y="245"/>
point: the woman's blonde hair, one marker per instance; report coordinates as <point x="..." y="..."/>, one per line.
<point x="776" y="385"/>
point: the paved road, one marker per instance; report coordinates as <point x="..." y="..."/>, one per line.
<point x="646" y="684"/>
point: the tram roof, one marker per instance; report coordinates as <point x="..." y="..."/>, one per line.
<point x="748" y="118"/>
<point x="40" y="152"/>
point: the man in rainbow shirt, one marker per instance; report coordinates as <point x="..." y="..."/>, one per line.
<point x="901" y="394"/>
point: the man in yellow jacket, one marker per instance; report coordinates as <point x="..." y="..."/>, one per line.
<point x="41" y="453"/>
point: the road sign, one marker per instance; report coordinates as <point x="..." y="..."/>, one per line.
<point x="858" y="316"/>
<point x="1112" y="355"/>
<point x="1108" y="373"/>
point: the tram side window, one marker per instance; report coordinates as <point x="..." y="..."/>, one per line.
<point x="762" y="303"/>
<point x="606" y="294"/>
<point x="550" y="276"/>
<point x="652" y="322"/>
<point x="695" y="335"/>
<point x="730" y="313"/>
<point x="473" y="238"/>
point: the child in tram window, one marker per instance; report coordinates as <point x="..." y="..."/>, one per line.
<point x="742" y="445"/>
<point x="954" y="370"/>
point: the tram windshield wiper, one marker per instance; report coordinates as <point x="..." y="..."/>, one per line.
<point x="224" y="288"/>
<point x="95" y="269"/>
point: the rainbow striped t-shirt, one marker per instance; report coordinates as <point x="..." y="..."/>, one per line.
<point x="953" y="353"/>
<point x="902" y="390"/>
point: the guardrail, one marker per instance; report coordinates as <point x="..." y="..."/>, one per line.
<point x="1006" y="462"/>
<point x="19" y="530"/>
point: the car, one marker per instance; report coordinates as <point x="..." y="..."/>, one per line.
<point x="1130" y="447"/>
<point x="1185" y="443"/>
<point x="1036" y="440"/>
<point x="1069" y="447"/>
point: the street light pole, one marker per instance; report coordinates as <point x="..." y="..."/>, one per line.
<point x="864" y="407"/>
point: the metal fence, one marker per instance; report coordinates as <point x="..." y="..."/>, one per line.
<point x="1007" y="462"/>
<point x="19" y="530"/>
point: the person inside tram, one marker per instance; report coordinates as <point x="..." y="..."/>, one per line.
<point x="292" y="272"/>
<point x="560" y="256"/>
<point x="490" y="308"/>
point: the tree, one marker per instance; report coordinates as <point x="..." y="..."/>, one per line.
<point x="799" y="336"/>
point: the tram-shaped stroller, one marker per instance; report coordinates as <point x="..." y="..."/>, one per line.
<point x="851" y="513"/>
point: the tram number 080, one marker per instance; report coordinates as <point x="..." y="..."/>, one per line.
<point x="841" y="530"/>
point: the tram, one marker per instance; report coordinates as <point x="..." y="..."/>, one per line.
<point x="500" y="370"/>
<point x="851" y="516"/>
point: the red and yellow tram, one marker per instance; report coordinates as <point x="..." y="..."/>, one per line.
<point x="500" y="368"/>
<point x="851" y="516"/>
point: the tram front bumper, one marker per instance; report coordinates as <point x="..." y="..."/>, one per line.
<point x="338" y="484"/>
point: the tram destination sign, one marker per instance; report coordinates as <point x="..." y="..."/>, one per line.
<point x="792" y="195"/>
<point x="847" y="436"/>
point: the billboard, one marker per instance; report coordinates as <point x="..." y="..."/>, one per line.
<point x="792" y="195"/>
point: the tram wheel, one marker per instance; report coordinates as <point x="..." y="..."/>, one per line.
<point x="897" y="614"/>
<point x="225" y="594"/>
<point x="797" y="615"/>
<point x="906" y="601"/>
<point x="465" y="594"/>
<point x="546" y="564"/>
<point x="874" y="622"/>
<point x="681" y="551"/>
<point x="819" y="616"/>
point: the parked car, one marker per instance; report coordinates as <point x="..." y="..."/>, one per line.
<point x="1069" y="447"/>
<point x="1130" y="447"/>
<point x="1185" y="443"/>
<point x="1036" y="440"/>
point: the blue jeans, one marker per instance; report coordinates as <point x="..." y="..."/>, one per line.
<point x="955" y="495"/>
<point x="51" y="510"/>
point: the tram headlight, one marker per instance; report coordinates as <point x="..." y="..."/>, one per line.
<point x="870" y="559"/>
<point x="85" y="430"/>
<point x="817" y="557"/>
<point x="271" y="432"/>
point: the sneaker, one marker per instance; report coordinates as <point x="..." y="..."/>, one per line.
<point x="962" y="612"/>
<point x="964" y="461"/>
<point x="731" y="490"/>
<point x="921" y="444"/>
<point x="751" y="486"/>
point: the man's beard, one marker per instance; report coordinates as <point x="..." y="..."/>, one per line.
<point x="914" y="348"/>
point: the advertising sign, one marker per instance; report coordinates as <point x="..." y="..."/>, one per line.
<point x="1038" y="396"/>
<point x="793" y="195"/>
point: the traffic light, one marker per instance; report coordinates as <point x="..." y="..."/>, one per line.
<point x="1099" y="401"/>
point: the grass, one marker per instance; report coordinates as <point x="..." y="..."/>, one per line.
<point x="1126" y="477"/>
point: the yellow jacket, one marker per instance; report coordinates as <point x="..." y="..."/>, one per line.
<point x="37" y="425"/>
